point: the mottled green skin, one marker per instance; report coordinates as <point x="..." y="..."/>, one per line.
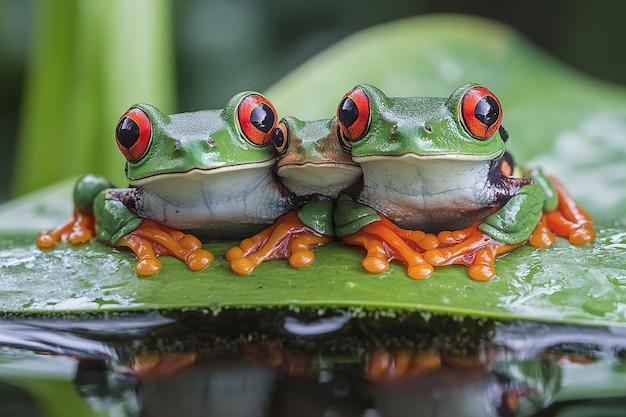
<point x="312" y="163"/>
<point x="350" y="216"/>
<point x="318" y="215"/>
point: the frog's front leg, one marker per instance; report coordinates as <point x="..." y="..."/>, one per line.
<point x="117" y="225"/>
<point x="357" y="224"/>
<point x="151" y="239"/>
<point x="81" y="227"/>
<point x="504" y="230"/>
<point x="561" y="214"/>
<point x="470" y="247"/>
<point x="291" y="237"/>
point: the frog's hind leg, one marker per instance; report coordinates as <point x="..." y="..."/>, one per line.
<point x="569" y="219"/>
<point x="542" y="236"/>
<point x="151" y="239"/>
<point x="288" y="238"/>
<point x="81" y="227"/>
<point x="384" y="241"/>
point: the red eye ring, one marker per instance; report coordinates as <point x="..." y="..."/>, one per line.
<point x="256" y="118"/>
<point x="353" y="116"/>
<point x="481" y="112"/>
<point x="133" y="134"/>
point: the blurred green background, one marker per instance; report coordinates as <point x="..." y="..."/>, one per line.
<point x="216" y="48"/>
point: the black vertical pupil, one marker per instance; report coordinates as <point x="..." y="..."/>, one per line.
<point x="487" y="110"/>
<point x="127" y="132"/>
<point x="348" y="112"/>
<point x="262" y="117"/>
<point x="278" y="138"/>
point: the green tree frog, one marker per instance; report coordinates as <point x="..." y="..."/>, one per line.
<point x="312" y="165"/>
<point x="439" y="165"/>
<point x="208" y="172"/>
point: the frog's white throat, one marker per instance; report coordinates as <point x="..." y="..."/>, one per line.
<point x="217" y="203"/>
<point x="428" y="194"/>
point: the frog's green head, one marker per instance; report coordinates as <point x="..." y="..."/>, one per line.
<point x="464" y="126"/>
<point x="311" y="159"/>
<point x="299" y="142"/>
<point x="237" y="137"/>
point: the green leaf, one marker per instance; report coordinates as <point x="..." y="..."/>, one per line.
<point x="90" y="62"/>
<point x="572" y="126"/>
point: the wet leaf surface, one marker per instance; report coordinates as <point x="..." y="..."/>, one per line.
<point x="578" y="284"/>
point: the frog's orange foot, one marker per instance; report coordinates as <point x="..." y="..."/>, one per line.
<point x="542" y="236"/>
<point x="478" y="252"/>
<point x="79" y="229"/>
<point x="384" y="242"/>
<point x="151" y="239"/>
<point x="569" y="219"/>
<point x="383" y="365"/>
<point x="288" y="238"/>
<point x="453" y="237"/>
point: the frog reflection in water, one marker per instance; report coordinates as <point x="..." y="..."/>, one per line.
<point x="439" y="165"/>
<point x="312" y="165"/>
<point x="209" y="173"/>
<point x="382" y="381"/>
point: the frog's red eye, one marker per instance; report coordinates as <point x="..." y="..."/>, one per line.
<point x="257" y="119"/>
<point x="280" y="137"/>
<point x="133" y="134"/>
<point x="353" y="117"/>
<point x="481" y="112"/>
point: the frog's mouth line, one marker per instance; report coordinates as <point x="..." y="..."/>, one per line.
<point x="432" y="156"/>
<point x="340" y="165"/>
<point x="201" y="171"/>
